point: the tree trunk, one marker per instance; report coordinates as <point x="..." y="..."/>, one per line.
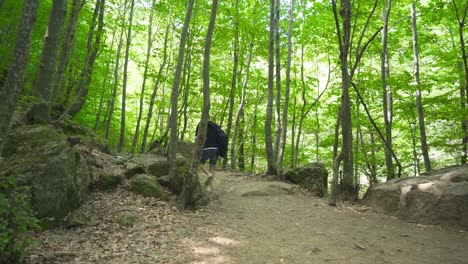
<point x="464" y="82"/>
<point x="175" y="95"/>
<point x="91" y="55"/>
<point x="156" y="87"/>
<point x="419" y="106"/>
<point x="46" y="74"/>
<point x="238" y="128"/>
<point x="254" y="143"/>
<point x="104" y="95"/>
<point x="387" y="99"/>
<point x="278" y="87"/>
<point x="116" y="78"/>
<point x="149" y="44"/>
<point x="11" y="89"/>
<point x="293" y="134"/>
<point x="348" y="185"/>
<point x="68" y="46"/>
<point x="233" y="83"/>
<point x="192" y="186"/>
<point x="288" y="87"/>
<point x="271" y="162"/>
<point x="124" y="85"/>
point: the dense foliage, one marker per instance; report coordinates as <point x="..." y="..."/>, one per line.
<point x="241" y="36"/>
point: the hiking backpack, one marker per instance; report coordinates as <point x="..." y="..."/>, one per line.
<point x="221" y="138"/>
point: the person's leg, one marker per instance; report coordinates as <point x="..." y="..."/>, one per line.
<point x="204" y="158"/>
<point x="213" y="154"/>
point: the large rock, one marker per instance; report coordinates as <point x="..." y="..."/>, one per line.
<point x="159" y="167"/>
<point x="147" y="186"/>
<point x="58" y="176"/>
<point x="313" y="177"/>
<point x="439" y="198"/>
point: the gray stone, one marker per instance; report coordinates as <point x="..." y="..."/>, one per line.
<point x="438" y="198"/>
<point x="109" y="180"/>
<point x="313" y="177"/>
<point x="267" y="188"/>
<point x="59" y="177"/>
<point x="147" y="186"/>
<point x="134" y="168"/>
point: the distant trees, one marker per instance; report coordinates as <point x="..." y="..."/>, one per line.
<point x="277" y="80"/>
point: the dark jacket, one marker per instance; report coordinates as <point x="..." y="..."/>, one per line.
<point x="211" y="140"/>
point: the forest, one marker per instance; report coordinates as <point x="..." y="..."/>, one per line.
<point x="373" y="89"/>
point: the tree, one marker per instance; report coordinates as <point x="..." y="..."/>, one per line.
<point x="271" y="162"/>
<point x="419" y="106"/>
<point x="387" y="98"/>
<point x="191" y="183"/>
<point x="68" y="45"/>
<point x="13" y="85"/>
<point x="462" y="20"/>
<point x="124" y="85"/>
<point x="174" y="96"/>
<point x="81" y="92"/>
<point x="47" y="63"/>
<point x="288" y="87"/>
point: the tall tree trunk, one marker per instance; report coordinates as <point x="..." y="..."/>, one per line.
<point x="303" y="109"/>
<point x="348" y="184"/>
<point x="254" y="143"/>
<point x="91" y="55"/>
<point x="116" y="77"/>
<point x="278" y="87"/>
<point x="233" y="81"/>
<point x="387" y="99"/>
<point x="48" y="60"/>
<point x="68" y="45"/>
<point x="191" y="183"/>
<point x="462" y="20"/>
<point x="124" y="85"/>
<point x="156" y="87"/>
<point x="104" y="94"/>
<point x="288" y="88"/>
<point x="234" y="88"/>
<point x="240" y="112"/>
<point x="11" y="89"/>
<point x="419" y="106"/>
<point x="271" y="162"/>
<point x="175" y="95"/>
<point x="149" y="45"/>
<point x="293" y="134"/>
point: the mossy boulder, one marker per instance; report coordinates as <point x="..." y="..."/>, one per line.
<point x="313" y="177"/>
<point x="57" y="175"/>
<point x="132" y="169"/>
<point x="109" y="180"/>
<point x="84" y="135"/>
<point x="147" y="186"/>
<point x="159" y="167"/>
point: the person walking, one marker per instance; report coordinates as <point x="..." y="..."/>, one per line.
<point x="214" y="146"/>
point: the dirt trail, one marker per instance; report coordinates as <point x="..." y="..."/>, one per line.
<point x="243" y="225"/>
<point x="300" y="228"/>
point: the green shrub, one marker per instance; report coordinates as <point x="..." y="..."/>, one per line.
<point x="16" y="218"/>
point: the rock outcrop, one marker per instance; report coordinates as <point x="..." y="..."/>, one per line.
<point x="313" y="177"/>
<point x="56" y="173"/>
<point x="439" y="198"/>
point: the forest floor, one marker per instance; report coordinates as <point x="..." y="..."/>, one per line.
<point x="278" y="228"/>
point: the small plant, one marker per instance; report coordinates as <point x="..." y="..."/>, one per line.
<point x="16" y="218"/>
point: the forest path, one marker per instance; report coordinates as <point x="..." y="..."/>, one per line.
<point x="242" y="225"/>
<point x="301" y="228"/>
